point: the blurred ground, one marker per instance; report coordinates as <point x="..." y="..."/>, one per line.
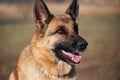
<point x="99" y="25"/>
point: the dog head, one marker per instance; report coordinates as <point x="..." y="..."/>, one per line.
<point x="59" y="34"/>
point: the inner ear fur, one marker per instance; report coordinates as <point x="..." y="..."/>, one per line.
<point x="42" y="15"/>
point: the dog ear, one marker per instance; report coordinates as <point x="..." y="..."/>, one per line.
<point x="42" y="13"/>
<point x="73" y="9"/>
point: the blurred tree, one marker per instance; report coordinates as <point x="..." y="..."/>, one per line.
<point x="81" y="1"/>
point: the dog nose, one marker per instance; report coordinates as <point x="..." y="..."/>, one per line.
<point x="82" y="45"/>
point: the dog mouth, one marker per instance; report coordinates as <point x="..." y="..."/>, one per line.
<point x="68" y="55"/>
<point x="73" y="57"/>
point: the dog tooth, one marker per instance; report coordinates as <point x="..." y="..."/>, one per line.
<point x="72" y="58"/>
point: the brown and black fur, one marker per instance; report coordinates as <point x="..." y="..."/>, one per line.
<point x="42" y="58"/>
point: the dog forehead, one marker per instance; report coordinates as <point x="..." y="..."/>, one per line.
<point x="63" y="18"/>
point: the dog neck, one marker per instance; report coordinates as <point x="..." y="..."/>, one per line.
<point x="65" y="70"/>
<point x="53" y="66"/>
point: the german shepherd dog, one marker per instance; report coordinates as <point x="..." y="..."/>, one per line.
<point x="55" y="46"/>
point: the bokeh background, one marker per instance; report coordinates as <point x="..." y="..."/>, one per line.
<point x="99" y="24"/>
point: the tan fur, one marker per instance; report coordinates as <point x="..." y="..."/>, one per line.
<point x="37" y="62"/>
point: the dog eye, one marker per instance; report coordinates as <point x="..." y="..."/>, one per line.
<point x="61" y="30"/>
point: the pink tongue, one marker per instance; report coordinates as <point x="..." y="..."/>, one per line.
<point x="75" y="58"/>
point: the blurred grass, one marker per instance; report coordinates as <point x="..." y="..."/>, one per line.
<point x="101" y="59"/>
<point x="14" y="35"/>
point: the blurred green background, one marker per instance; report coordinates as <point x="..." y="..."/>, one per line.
<point x="99" y="24"/>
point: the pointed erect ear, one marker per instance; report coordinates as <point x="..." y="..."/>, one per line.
<point x="42" y="13"/>
<point x="73" y="9"/>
